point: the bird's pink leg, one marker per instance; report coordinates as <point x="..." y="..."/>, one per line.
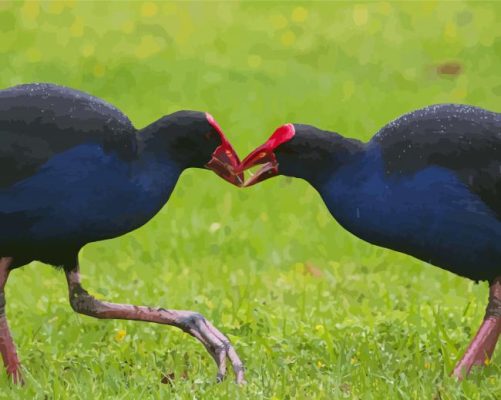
<point x="7" y="346"/>
<point x="190" y="322"/>
<point x="480" y="350"/>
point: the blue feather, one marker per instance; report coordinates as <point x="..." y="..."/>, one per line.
<point x="85" y="191"/>
<point x="430" y="214"/>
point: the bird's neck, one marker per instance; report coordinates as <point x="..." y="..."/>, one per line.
<point x="153" y="176"/>
<point x="345" y="182"/>
<point x="153" y="144"/>
<point x="328" y="158"/>
<point x="155" y="162"/>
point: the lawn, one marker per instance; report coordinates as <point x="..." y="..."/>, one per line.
<point x="313" y="311"/>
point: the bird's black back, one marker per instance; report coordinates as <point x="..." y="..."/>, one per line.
<point x="40" y="120"/>
<point x="463" y="139"/>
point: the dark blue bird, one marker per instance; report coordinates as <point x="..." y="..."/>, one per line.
<point x="427" y="184"/>
<point x="74" y="170"/>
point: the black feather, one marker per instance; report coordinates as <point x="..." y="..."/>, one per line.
<point x="463" y="139"/>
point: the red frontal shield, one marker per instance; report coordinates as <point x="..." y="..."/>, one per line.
<point x="225" y="161"/>
<point x="265" y="155"/>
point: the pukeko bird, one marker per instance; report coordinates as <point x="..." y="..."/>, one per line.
<point x="74" y="170"/>
<point x="427" y="184"/>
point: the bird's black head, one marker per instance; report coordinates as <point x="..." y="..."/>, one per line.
<point x="301" y="151"/>
<point x="194" y="139"/>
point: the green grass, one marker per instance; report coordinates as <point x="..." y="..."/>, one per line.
<point x="313" y="311"/>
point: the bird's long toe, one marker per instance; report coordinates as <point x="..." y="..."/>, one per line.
<point x="217" y="344"/>
<point x="230" y="353"/>
<point x="15" y="374"/>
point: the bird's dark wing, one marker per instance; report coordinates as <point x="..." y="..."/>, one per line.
<point x="463" y="139"/>
<point x="40" y="120"/>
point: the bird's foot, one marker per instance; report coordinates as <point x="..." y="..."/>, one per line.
<point x="7" y="346"/>
<point x="191" y="322"/>
<point x="217" y="344"/>
<point x="9" y="354"/>
<point x="482" y="346"/>
<point x="480" y="349"/>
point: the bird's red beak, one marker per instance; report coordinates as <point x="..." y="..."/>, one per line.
<point x="265" y="155"/>
<point x="225" y="161"/>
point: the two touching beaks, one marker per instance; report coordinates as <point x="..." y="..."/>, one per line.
<point x="226" y="163"/>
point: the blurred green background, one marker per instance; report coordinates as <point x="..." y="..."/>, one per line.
<point x="313" y="311"/>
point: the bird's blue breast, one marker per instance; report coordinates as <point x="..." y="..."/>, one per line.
<point x="85" y="194"/>
<point x="430" y="214"/>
